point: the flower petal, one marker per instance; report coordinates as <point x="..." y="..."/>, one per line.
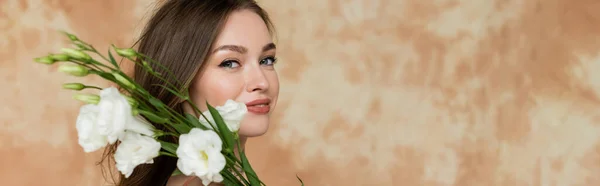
<point x="88" y="137"/>
<point x="199" y="154"/>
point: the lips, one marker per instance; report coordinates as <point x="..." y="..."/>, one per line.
<point x="259" y="106"/>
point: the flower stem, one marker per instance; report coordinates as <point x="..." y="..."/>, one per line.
<point x="235" y="170"/>
<point x="86" y="65"/>
<point x="167" y="134"/>
<point x="146" y="58"/>
<point x="94" y="87"/>
<point x="231" y="178"/>
<point x="92" y="49"/>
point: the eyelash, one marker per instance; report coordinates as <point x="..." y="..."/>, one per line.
<point x="273" y="59"/>
<point x="228" y="63"/>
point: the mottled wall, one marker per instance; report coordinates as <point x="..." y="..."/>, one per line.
<point x="374" y="92"/>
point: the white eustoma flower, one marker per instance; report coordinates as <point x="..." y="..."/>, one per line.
<point x="140" y="125"/>
<point x="114" y="114"/>
<point x="135" y="149"/>
<point x="89" y="137"/>
<point x="199" y="154"/>
<point x="232" y="113"/>
<point x="102" y="124"/>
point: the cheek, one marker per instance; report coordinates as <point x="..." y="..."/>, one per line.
<point x="217" y="89"/>
<point x="273" y="79"/>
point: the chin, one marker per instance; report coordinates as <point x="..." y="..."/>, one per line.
<point x="254" y="129"/>
<point x="255" y="133"/>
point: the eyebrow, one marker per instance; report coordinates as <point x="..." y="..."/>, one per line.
<point x="268" y="47"/>
<point x="242" y="49"/>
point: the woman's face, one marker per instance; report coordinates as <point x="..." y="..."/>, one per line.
<point x="241" y="67"/>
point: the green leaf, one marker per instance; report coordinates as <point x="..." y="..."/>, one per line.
<point x="301" y="182"/>
<point x="153" y="117"/>
<point x="225" y="133"/>
<point x="112" y="59"/>
<point x="230" y="179"/>
<point x="181" y="128"/>
<point x="105" y="75"/>
<point x="211" y="124"/>
<point x="195" y="121"/>
<point x="157" y="103"/>
<point x="227" y="182"/>
<point x="252" y="177"/>
<point x="231" y="163"/>
<point x="169" y="147"/>
<point x="176" y="172"/>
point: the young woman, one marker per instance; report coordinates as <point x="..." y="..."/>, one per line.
<point x="220" y="49"/>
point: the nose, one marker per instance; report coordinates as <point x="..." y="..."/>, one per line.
<point x="256" y="80"/>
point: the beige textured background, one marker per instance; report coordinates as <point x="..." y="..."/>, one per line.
<point x="374" y="92"/>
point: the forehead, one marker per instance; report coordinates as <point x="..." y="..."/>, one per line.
<point x="244" y="28"/>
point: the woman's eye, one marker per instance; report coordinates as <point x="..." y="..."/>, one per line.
<point x="268" y="61"/>
<point x="229" y="64"/>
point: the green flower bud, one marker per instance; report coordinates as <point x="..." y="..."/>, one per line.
<point x="123" y="80"/>
<point x="135" y="112"/>
<point x="74" y="70"/>
<point x="132" y="101"/>
<point x="82" y="46"/>
<point x="71" y="36"/>
<point x="145" y="64"/>
<point x="73" y="86"/>
<point x="60" y="57"/>
<point x="45" y="60"/>
<point x="76" y="54"/>
<point x="125" y="52"/>
<point x="158" y="133"/>
<point x="149" y="68"/>
<point x="87" y="98"/>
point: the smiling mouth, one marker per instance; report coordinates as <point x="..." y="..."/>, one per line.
<point x="259" y="106"/>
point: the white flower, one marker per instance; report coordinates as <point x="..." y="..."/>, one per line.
<point x="89" y="137"/>
<point x="140" y="125"/>
<point x="134" y="150"/>
<point x="114" y="114"/>
<point x="232" y="113"/>
<point x="102" y="124"/>
<point x="199" y="154"/>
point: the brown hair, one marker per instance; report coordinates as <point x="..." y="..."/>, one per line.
<point x="179" y="36"/>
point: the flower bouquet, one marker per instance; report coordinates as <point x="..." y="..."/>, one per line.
<point x="207" y="146"/>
